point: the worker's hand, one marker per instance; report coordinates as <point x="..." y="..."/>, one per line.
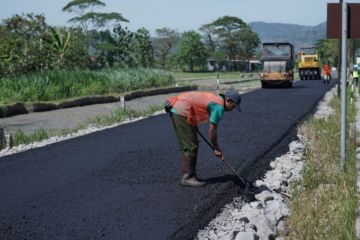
<point x="219" y="154"/>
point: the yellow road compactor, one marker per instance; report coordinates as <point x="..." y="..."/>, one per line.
<point x="309" y="64"/>
<point x="277" y="65"/>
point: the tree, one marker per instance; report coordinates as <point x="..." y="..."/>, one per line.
<point x="123" y="39"/>
<point x="21" y="46"/>
<point x="249" y="41"/>
<point x="208" y="31"/>
<point x="89" y="20"/>
<point x="164" y="44"/>
<point x="231" y="35"/>
<point x="9" y="52"/>
<point x="191" y="51"/>
<point x="105" y="49"/>
<point x="28" y="44"/>
<point x="143" y="50"/>
<point x="216" y="54"/>
<point x="228" y="31"/>
<point x="328" y="51"/>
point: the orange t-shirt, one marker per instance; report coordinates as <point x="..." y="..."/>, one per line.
<point x="194" y="106"/>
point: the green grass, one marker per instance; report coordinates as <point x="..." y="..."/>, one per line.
<point x="19" y="137"/>
<point x="325" y="207"/>
<point x="122" y="115"/>
<point x="63" y="84"/>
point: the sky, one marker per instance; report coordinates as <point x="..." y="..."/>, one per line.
<point x="182" y="15"/>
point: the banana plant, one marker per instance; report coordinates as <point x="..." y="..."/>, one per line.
<point x="61" y="44"/>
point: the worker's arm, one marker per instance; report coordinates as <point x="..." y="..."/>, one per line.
<point x="213" y="139"/>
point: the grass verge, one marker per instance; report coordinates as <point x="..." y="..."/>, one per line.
<point x="324" y="204"/>
<point x="118" y="116"/>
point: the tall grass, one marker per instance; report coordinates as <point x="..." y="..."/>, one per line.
<point x="62" y="84"/>
<point x="19" y="137"/>
<point x="325" y="206"/>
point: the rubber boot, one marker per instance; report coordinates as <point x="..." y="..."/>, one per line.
<point x="191" y="180"/>
<point x="188" y="169"/>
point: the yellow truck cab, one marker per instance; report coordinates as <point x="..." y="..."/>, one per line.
<point x="309" y="64"/>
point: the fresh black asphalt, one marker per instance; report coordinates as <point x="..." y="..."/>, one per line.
<point x="123" y="183"/>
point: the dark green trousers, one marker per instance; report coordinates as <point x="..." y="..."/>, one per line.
<point x="188" y="142"/>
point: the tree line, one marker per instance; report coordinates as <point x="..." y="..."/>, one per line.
<point x="329" y="50"/>
<point x="97" y="40"/>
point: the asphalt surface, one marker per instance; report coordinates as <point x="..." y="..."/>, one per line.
<point x="123" y="183"/>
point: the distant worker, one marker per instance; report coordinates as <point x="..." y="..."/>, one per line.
<point x="326" y="73"/>
<point x="355" y="76"/>
<point x="189" y="109"/>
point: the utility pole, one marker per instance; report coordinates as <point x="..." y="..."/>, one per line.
<point x="339" y="62"/>
<point x="340" y="13"/>
<point x="343" y="83"/>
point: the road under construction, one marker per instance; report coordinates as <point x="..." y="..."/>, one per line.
<point x="123" y="182"/>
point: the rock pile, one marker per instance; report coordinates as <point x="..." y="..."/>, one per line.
<point x="265" y="217"/>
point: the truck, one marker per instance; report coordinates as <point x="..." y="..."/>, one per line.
<point x="277" y="65"/>
<point x="309" y="64"/>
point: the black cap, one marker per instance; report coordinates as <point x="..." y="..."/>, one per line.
<point x="234" y="95"/>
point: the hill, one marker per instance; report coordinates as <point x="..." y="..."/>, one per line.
<point x="298" y="35"/>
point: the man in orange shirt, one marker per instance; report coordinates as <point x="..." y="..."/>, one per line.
<point x="326" y="72"/>
<point x="189" y="109"/>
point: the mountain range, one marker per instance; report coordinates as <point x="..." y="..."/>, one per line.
<point x="298" y="35"/>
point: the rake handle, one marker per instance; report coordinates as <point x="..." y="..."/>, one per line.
<point x="204" y="138"/>
<point x="223" y="159"/>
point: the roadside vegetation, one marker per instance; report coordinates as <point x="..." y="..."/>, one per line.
<point x="98" y="56"/>
<point x="19" y="137"/>
<point x="122" y="115"/>
<point x="325" y="202"/>
<point x="63" y="84"/>
<point x="97" y="40"/>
